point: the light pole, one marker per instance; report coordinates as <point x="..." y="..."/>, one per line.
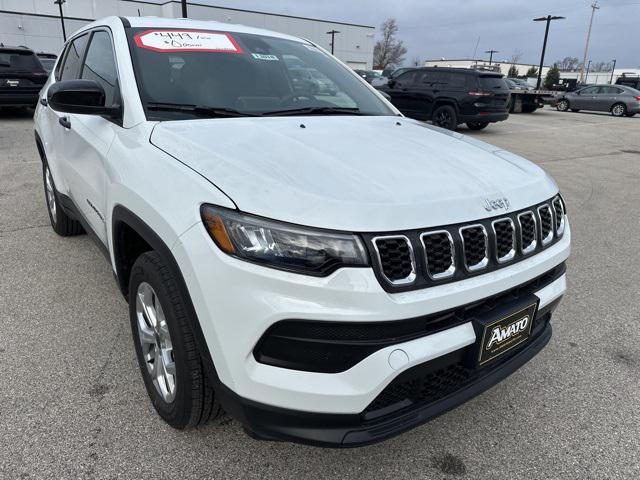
<point x="491" y="52"/>
<point x="59" y="3"/>
<point x="184" y="8"/>
<point x="333" y="35"/>
<point x="613" y="69"/>
<point x="547" y="19"/>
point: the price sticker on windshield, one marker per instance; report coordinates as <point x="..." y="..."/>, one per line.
<point x="187" y="41"/>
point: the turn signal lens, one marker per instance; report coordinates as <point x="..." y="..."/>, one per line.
<point x="215" y="227"/>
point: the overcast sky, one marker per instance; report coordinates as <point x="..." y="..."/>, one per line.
<point x="434" y="28"/>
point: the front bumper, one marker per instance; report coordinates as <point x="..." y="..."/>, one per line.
<point x="354" y="430"/>
<point x="236" y="302"/>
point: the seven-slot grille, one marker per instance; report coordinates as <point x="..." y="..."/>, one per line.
<point x="418" y="259"/>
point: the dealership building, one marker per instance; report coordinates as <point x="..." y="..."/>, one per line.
<point x="36" y="24"/>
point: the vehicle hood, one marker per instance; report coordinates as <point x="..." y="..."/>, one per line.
<point x="369" y="173"/>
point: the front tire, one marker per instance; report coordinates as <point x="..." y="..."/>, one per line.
<point x="619" y="110"/>
<point x="170" y="362"/>
<point x="563" y="105"/>
<point x="62" y="224"/>
<point x="477" y="125"/>
<point x="445" y="117"/>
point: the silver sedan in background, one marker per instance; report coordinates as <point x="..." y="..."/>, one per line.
<point x="620" y="100"/>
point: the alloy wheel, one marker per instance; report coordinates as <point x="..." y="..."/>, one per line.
<point x="443" y="119"/>
<point x="618" y="110"/>
<point x="155" y="340"/>
<point x="563" y="105"/>
<point x="50" y="194"/>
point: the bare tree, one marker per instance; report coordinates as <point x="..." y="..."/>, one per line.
<point x="516" y="56"/>
<point x="568" y="64"/>
<point x="388" y="52"/>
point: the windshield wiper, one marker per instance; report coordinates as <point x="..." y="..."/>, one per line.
<point x="316" y="111"/>
<point x="199" y="110"/>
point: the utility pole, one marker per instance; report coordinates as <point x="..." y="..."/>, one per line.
<point x="491" y="52"/>
<point x="59" y="3"/>
<point x="613" y="69"/>
<point x="594" y="7"/>
<point x="333" y="35"/>
<point x="184" y="8"/>
<point x="547" y="19"/>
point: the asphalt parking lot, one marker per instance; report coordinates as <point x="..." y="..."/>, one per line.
<point x="72" y="404"/>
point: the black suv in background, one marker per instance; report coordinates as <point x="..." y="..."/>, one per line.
<point x="21" y="77"/>
<point x="450" y="96"/>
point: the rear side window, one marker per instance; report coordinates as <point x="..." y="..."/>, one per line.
<point x="100" y="65"/>
<point x="16" y="60"/>
<point x="492" y="83"/>
<point x="73" y="58"/>
<point x="407" y="78"/>
<point x="450" y="80"/>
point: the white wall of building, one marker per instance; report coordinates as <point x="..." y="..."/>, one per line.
<point x="36" y="24"/>
<point x="470" y="63"/>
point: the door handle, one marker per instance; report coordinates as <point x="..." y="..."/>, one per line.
<point x="65" y="122"/>
<point x="43" y="101"/>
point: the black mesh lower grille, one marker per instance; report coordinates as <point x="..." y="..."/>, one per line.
<point x="438" y="250"/>
<point x="395" y="257"/>
<point x="475" y="245"/>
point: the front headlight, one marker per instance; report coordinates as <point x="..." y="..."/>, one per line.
<point x="281" y="245"/>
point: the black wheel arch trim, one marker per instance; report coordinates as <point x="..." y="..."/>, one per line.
<point x="121" y="215"/>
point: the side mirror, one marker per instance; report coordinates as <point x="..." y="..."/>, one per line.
<point x="80" y="96"/>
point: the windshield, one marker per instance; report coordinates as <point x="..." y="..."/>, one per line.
<point x="182" y="73"/>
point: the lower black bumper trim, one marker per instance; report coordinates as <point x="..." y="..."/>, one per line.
<point x="349" y="430"/>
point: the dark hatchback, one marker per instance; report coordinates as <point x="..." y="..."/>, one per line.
<point x="21" y="77"/>
<point x="450" y="96"/>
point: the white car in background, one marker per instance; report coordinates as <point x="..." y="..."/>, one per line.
<point x="319" y="266"/>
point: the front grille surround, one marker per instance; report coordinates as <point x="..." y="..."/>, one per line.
<point x="411" y="276"/>
<point x="437" y="270"/>
<point x="510" y="255"/>
<point x="545" y="214"/>
<point x="469" y="250"/>
<point x="559" y="213"/>
<point x="448" y="272"/>
<point x="530" y="246"/>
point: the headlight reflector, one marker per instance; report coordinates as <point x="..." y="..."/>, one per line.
<point x="281" y="245"/>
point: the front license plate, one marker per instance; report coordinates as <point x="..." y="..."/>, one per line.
<point x="506" y="333"/>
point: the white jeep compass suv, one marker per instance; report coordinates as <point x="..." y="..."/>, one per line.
<point x="303" y="257"/>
